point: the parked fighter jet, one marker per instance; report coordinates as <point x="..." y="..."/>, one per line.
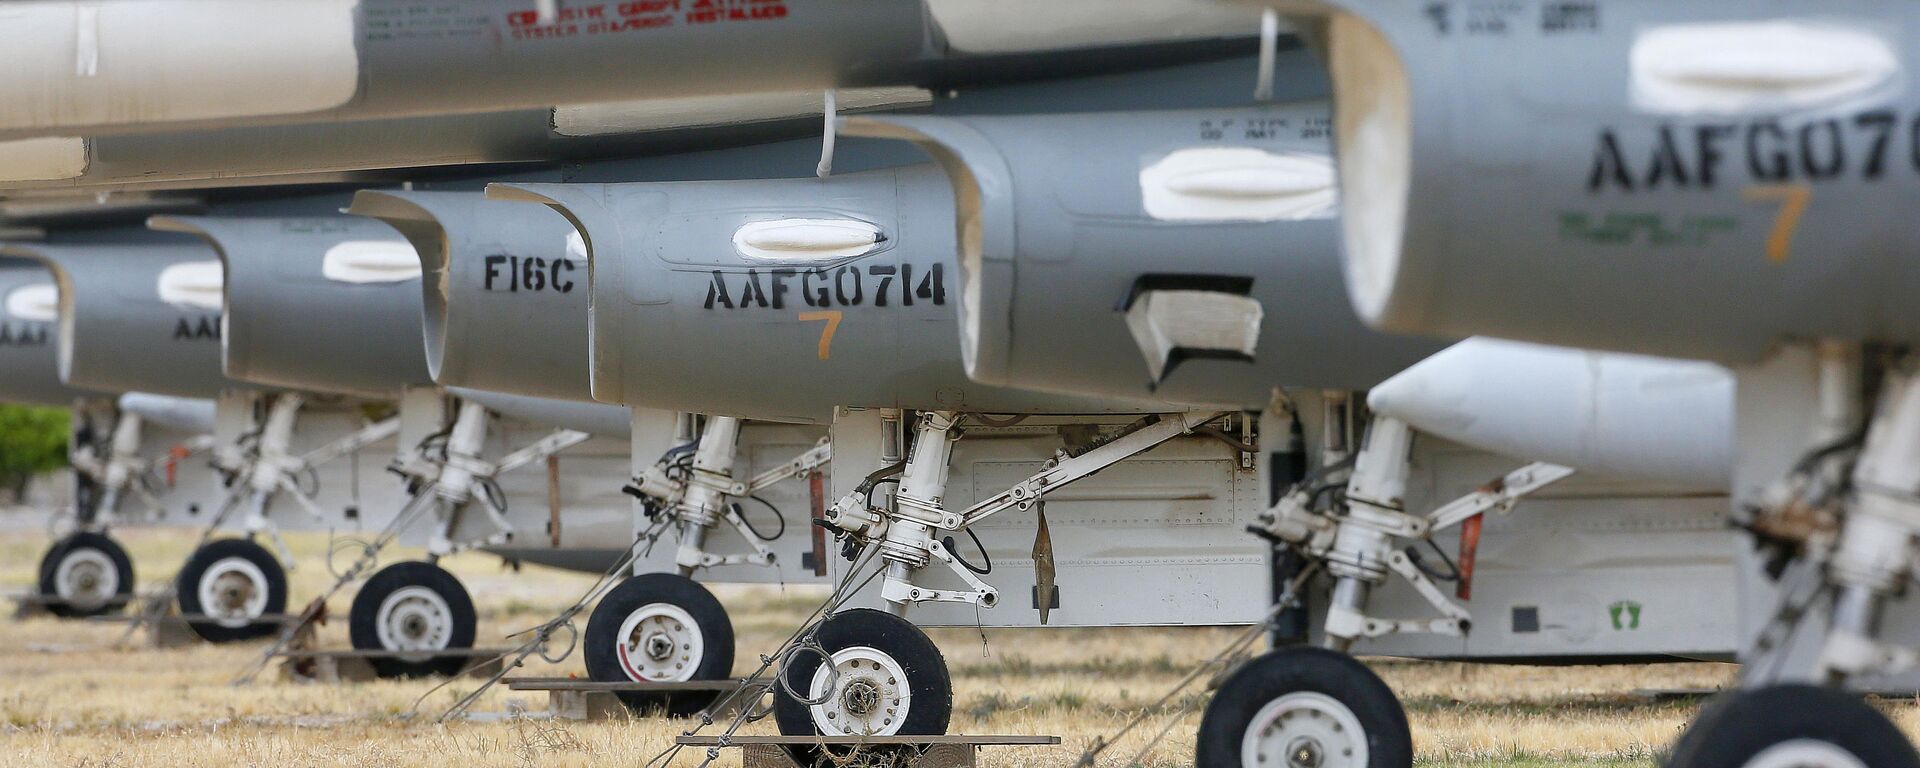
<point x="126" y="452"/>
<point x="506" y="299"/>
<point x="1724" y="181"/>
<point x="333" y="305"/>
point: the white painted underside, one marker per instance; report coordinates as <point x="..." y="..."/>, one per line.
<point x="805" y="240"/>
<point x="1738" y="67"/>
<point x="192" y="415"/>
<point x="619" y="117"/>
<point x="193" y="284"/>
<point x="1013" y="26"/>
<point x="37" y="303"/>
<point x="1238" y="184"/>
<point x="47" y="158"/>
<point x="71" y="63"/>
<point x="371" y="261"/>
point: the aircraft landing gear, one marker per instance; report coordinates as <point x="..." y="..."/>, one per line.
<point x="661" y="628"/>
<point x="226" y="586"/>
<point x="873" y="674"/>
<point x="413" y="606"/>
<point x="85" y="574"/>
<point x="1305" y="708"/>
<point x="1860" y="543"/>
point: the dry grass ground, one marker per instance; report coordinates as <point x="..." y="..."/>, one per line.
<point x="67" y="698"/>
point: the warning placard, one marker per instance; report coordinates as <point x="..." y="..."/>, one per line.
<point x="638" y="15"/>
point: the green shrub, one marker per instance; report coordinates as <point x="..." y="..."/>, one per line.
<point x="32" y="441"/>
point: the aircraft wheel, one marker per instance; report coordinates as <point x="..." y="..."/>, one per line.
<point x="1792" y="726"/>
<point x="232" y="582"/>
<point x="85" y="574"/>
<point x="883" y="677"/>
<point x="413" y="606"/>
<point x="660" y="628"/>
<point x="1305" y="707"/>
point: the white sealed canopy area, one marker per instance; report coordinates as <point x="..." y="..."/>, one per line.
<point x="136" y="318"/>
<point x="1184" y="255"/>
<point x="505" y="290"/>
<point x="842" y="289"/>
<point x="30" y="336"/>
<point x="327" y="305"/>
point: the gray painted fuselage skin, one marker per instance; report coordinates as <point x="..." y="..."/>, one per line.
<point x="289" y="325"/>
<point x="117" y="334"/>
<point x="683" y="319"/>
<point x="29" y="347"/>
<point x="1586" y="200"/>
<point x="1057" y="236"/>
<point x="492" y="55"/>
<point x="505" y="297"/>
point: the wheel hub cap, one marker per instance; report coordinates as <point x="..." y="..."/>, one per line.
<point x="233" y="591"/>
<point x="1305" y="730"/>
<point x="414" y="619"/>
<point x="865" y="693"/>
<point x="660" y="643"/>
<point x="86" y="578"/>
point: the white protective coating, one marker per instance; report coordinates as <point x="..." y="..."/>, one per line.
<point x="45" y="158"/>
<point x="1374" y="129"/>
<point x="1735" y="67"/>
<point x="806" y="240"/>
<point x="1014" y="26"/>
<point x="192" y="415"/>
<point x="74" y="63"/>
<point x="371" y="261"/>
<point x="1238" y="184"/>
<point x="1611" y="413"/>
<point x="1210" y="321"/>
<point x="193" y="284"/>
<point x="619" y="117"/>
<point x="37" y="303"/>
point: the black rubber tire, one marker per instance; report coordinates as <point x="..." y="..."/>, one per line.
<point x="1739" y="725"/>
<point x="926" y="669"/>
<point x="1303" y="669"/>
<point x="602" y="641"/>
<point x="50" y="563"/>
<point x="187" y="593"/>
<point x="366" y="609"/>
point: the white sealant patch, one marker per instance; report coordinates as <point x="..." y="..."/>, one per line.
<point x="48" y="158"/>
<point x="75" y="63"/>
<point x="193" y="284"/>
<point x="576" y="246"/>
<point x="1239" y="184"/>
<point x="1736" y="67"/>
<point x="805" y="240"/>
<point x="37" y="303"/>
<point x="371" y="261"/>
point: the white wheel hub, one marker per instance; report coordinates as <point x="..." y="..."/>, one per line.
<point x="414" y="619"/>
<point x="86" y="578"/>
<point x="866" y="694"/>
<point x="660" y="643"/>
<point x="1304" y="730"/>
<point x="1805" y="753"/>
<point x="233" y="591"/>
